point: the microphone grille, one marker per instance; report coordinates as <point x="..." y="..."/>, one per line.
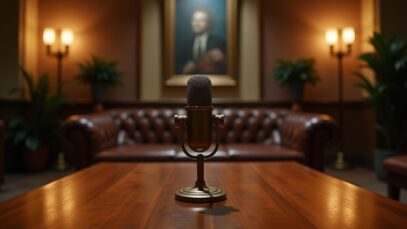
<point x="199" y="91"/>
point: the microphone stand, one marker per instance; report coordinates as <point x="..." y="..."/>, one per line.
<point x="199" y="193"/>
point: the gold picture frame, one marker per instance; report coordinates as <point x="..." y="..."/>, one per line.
<point x="228" y="75"/>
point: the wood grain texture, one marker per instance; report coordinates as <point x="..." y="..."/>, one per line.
<point x="260" y="195"/>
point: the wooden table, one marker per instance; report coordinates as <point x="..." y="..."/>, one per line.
<point x="260" y="195"/>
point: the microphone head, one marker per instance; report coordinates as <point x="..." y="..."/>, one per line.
<point x="199" y="91"/>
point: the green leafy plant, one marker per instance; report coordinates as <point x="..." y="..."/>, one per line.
<point x="295" y="74"/>
<point x="287" y="72"/>
<point x="387" y="92"/>
<point x="97" y="70"/>
<point x="38" y="126"/>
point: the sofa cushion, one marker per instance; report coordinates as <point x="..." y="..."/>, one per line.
<point x="142" y="152"/>
<point x="257" y="152"/>
<point x="221" y="155"/>
<point x="396" y="164"/>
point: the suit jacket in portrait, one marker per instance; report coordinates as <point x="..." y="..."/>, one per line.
<point x="185" y="54"/>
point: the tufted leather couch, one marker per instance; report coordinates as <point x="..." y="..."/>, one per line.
<point x="147" y="134"/>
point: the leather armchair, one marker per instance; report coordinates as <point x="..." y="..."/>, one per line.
<point x="2" y="165"/>
<point x="147" y="134"/>
<point x="396" y="168"/>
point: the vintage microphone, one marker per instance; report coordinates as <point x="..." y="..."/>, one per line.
<point x="198" y="122"/>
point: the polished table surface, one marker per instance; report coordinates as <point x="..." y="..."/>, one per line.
<point x="260" y="195"/>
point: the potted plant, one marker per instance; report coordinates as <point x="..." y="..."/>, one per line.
<point x="387" y="93"/>
<point x="100" y="74"/>
<point x="37" y="128"/>
<point x="295" y="74"/>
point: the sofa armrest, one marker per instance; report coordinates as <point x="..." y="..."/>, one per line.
<point x="2" y="151"/>
<point x="309" y="133"/>
<point x="83" y="136"/>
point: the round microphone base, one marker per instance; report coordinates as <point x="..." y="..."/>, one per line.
<point x="197" y="195"/>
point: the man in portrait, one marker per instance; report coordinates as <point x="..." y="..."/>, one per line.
<point x="204" y="53"/>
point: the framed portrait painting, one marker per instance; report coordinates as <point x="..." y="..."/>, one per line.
<point x="200" y="37"/>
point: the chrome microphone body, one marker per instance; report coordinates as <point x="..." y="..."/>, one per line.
<point x="199" y="127"/>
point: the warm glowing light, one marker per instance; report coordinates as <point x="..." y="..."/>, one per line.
<point x="348" y="35"/>
<point x="331" y="36"/>
<point x="48" y="36"/>
<point x="67" y="37"/>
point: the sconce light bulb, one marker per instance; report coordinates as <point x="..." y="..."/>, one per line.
<point x="348" y="35"/>
<point x="331" y="36"/>
<point x="67" y="37"/>
<point x="48" y="36"/>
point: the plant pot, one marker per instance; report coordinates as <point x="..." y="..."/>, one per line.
<point x="297" y="90"/>
<point x="379" y="156"/>
<point x="98" y="91"/>
<point x="35" y="160"/>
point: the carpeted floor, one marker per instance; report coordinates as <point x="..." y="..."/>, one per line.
<point x="365" y="178"/>
<point x="17" y="184"/>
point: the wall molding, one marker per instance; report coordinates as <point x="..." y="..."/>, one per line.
<point x="19" y="104"/>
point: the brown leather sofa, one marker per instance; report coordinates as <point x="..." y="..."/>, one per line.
<point x="147" y="134"/>
<point x="2" y="165"/>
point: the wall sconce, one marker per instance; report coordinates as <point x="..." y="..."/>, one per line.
<point x="337" y="49"/>
<point x="59" y="38"/>
<point x="336" y="45"/>
<point x="52" y="37"/>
